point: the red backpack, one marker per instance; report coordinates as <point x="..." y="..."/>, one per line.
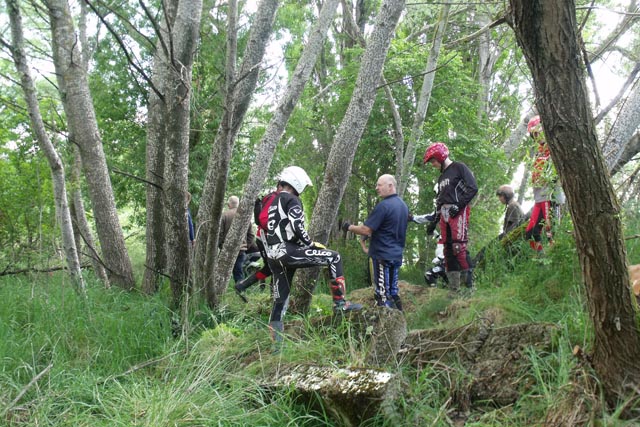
<point x="261" y="209"/>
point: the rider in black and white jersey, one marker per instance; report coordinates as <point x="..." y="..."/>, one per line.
<point x="289" y="247"/>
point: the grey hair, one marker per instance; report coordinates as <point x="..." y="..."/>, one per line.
<point x="233" y="202"/>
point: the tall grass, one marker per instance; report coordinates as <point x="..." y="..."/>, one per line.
<point x="111" y="360"/>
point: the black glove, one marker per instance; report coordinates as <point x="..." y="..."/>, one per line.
<point x="411" y="218"/>
<point x="431" y="228"/>
<point x="345" y="226"/>
<point x="453" y="211"/>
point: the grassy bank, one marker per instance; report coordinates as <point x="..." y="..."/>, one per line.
<point x="111" y="360"/>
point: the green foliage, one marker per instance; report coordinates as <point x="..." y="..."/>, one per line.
<point x="355" y="263"/>
<point x="27" y="214"/>
<point x="631" y="222"/>
<point x="119" y="96"/>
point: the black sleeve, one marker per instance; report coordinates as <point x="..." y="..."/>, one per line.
<point x="469" y="187"/>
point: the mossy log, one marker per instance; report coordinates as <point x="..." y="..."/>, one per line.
<point x="350" y="395"/>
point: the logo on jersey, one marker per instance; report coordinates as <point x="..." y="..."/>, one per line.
<point x="317" y="252"/>
<point x="444" y="183"/>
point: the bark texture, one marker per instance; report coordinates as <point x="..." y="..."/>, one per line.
<point x="221" y="156"/>
<point x="617" y="148"/>
<point x="269" y="141"/>
<point x="348" y="135"/>
<point x="85" y="235"/>
<point x="76" y="99"/>
<point x="156" y="255"/>
<point x="630" y="150"/>
<point x="55" y="163"/>
<point x="184" y="40"/>
<point x="237" y="100"/>
<point x="546" y="31"/>
<point x="78" y="213"/>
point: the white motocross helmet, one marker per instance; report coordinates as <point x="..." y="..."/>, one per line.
<point x="296" y="177"/>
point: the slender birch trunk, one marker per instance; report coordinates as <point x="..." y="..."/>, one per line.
<point x="76" y="99"/>
<point x="423" y="99"/>
<point x="268" y="144"/>
<point x="348" y="136"/>
<point x="237" y="100"/>
<point x="184" y="36"/>
<point x="55" y="163"/>
<point x="156" y="256"/>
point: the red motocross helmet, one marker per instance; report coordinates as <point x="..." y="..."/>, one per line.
<point x="534" y="125"/>
<point x="437" y="151"/>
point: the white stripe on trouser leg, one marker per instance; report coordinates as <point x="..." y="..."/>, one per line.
<point x="381" y="288"/>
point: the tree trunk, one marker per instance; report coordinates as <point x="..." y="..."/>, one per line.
<point x="621" y="134"/>
<point x="423" y="100"/>
<point x="156" y="251"/>
<point x="267" y="146"/>
<point x="78" y="211"/>
<point x="80" y="220"/>
<point x="55" y="163"/>
<point x="546" y="31"/>
<point x="237" y="100"/>
<point x="631" y="148"/>
<point x="511" y="144"/>
<point x="347" y="137"/>
<point x="225" y="142"/>
<point x="184" y="40"/>
<point x="156" y="256"/>
<point x="76" y="99"/>
<point x="487" y="57"/>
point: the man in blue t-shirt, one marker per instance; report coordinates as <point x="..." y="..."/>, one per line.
<point x="387" y="228"/>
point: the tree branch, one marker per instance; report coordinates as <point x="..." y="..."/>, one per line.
<point x="26" y="388"/>
<point x="614" y="101"/>
<point x="137" y="178"/>
<point x="155" y="27"/>
<point x="629" y="16"/>
<point x="120" y="42"/>
<point x="501" y="20"/>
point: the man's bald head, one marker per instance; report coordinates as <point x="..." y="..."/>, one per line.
<point x="386" y="185"/>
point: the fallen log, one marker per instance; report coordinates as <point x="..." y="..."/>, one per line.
<point x="7" y="272"/>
